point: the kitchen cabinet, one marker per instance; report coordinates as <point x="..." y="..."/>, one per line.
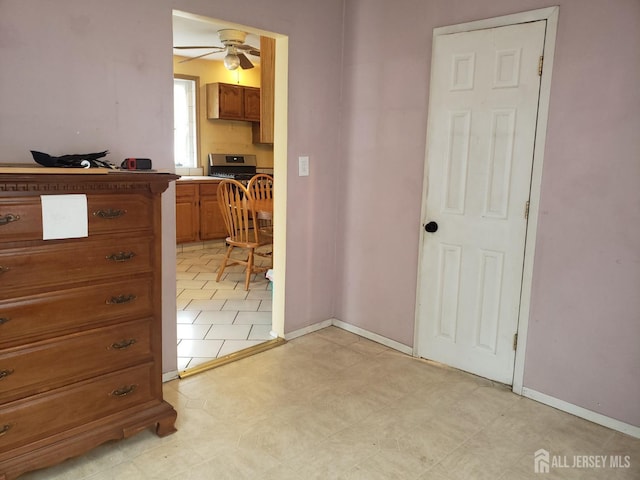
<point x="233" y="102"/>
<point x="80" y="318"/>
<point x="198" y="215"/>
<point x="187" y="212"/>
<point x="252" y="104"/>
<point x="262" y="132"/>
<point x="211" y="220"/>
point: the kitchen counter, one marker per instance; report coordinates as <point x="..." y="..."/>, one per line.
<point x="197" y="178"/>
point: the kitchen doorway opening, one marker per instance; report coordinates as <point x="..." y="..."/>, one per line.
<point x="221" y="322"/>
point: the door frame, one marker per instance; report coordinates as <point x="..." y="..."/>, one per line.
<point x="550" y="14"/>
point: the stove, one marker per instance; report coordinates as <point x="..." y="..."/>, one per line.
<point x="228" y="165"/>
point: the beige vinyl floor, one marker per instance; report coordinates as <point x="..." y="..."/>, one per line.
<point x="333" y="405"/>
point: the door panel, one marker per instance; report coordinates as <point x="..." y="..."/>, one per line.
<point x="481" y="132"/>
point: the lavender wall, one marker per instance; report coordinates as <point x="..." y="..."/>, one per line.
<point x="584" y="332"/>
<point x="585" y="317"/>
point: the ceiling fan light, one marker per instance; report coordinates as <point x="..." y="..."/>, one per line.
<point x="231" y="61"/>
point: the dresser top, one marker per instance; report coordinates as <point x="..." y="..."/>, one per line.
<point x="64" y="182"/>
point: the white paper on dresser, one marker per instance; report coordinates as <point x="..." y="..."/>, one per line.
<point x="64" y="216"/>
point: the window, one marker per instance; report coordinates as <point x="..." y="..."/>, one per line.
<point x="185" y="121"/>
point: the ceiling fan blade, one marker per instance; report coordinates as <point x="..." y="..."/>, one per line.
<point x="249" y="49"/>
<point x="194" y="47"/>
<point x="199" y="56"/>
<point x="245" y="63"/>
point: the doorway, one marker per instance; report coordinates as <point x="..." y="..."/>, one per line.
<point x="267" y="303"/>
<point x="485" y="138"/>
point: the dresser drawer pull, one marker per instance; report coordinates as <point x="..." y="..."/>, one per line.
<point x="121" y="256"/>
<point x="4" y="320"/>
<point x="8" y="218"/>
<point x="124" y="391"/>
<point x="109" y="213"/>
<point x="120" y="299"/>
<point x="5" y="429"/>
<point x="4" y="269"/>
<point x="5" y="373"/>
<point x="123" y="344"/>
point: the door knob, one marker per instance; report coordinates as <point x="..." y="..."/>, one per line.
<point x="431" y="227"/>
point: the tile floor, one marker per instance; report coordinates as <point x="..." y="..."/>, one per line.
<point x="218" y="318"/>
<point x="332" y="405"/>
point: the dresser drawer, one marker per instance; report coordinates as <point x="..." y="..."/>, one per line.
<point x="52" y="363"/>
<point x="32" y="318"/>
<point x="20" y="219"/>
<point x="119" y="213"/>
<point x="71" y="261"/>
<point x="37" y="417"/>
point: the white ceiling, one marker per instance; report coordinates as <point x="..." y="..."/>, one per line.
<point x="201" y="31"/>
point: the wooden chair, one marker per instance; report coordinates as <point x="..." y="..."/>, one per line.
<point x="260" y="188"/>
<point x="239" y="216"/>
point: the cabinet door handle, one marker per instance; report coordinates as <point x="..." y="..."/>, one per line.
<point x="124" y="391"/>
<point x="8" y="218"/>
<point x="123" y="344"/>
<point x="121" y="256"/>
<point x="120" y="299"/>
<point x="5" y="428"/>
<point x="5" y="373"/>
<point x="109" y="213"/>
<point x="4" y="320"/>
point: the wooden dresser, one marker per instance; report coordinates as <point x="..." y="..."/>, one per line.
<point x="80" y="318"/>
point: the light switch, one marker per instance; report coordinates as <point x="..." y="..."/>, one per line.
<point x="303" y="166"/>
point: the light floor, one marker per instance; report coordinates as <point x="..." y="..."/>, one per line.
<point x="218" y="318"/>
<point x="332" y="405"/>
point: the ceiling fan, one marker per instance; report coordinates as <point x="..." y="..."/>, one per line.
<point x="233" y="41"/>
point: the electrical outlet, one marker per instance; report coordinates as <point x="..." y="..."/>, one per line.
<point x="303" y="166"/>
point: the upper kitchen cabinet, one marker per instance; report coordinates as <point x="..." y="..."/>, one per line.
<point x="263" y="131"/>
<point x="233" y="102"/>
<point x="252" y="104"/>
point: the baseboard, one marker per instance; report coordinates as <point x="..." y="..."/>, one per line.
<point x="387" y="342"/>
<point x="582" y="412"/>
<point x="353" y="329"/>
<point x="310" y="329"/>
<point x="168" y="376"/>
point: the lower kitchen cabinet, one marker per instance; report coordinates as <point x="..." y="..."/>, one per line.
<point x="198" y="215"/>
<point x="187" y="212"/>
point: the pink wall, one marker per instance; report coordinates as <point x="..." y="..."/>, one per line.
<point x="584" y="333"/>
<point x="584" y="330"/>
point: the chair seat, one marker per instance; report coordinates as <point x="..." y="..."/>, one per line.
<point x="264" y="240"/>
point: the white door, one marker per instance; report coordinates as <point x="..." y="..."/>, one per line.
<point x="482" y="117"/>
